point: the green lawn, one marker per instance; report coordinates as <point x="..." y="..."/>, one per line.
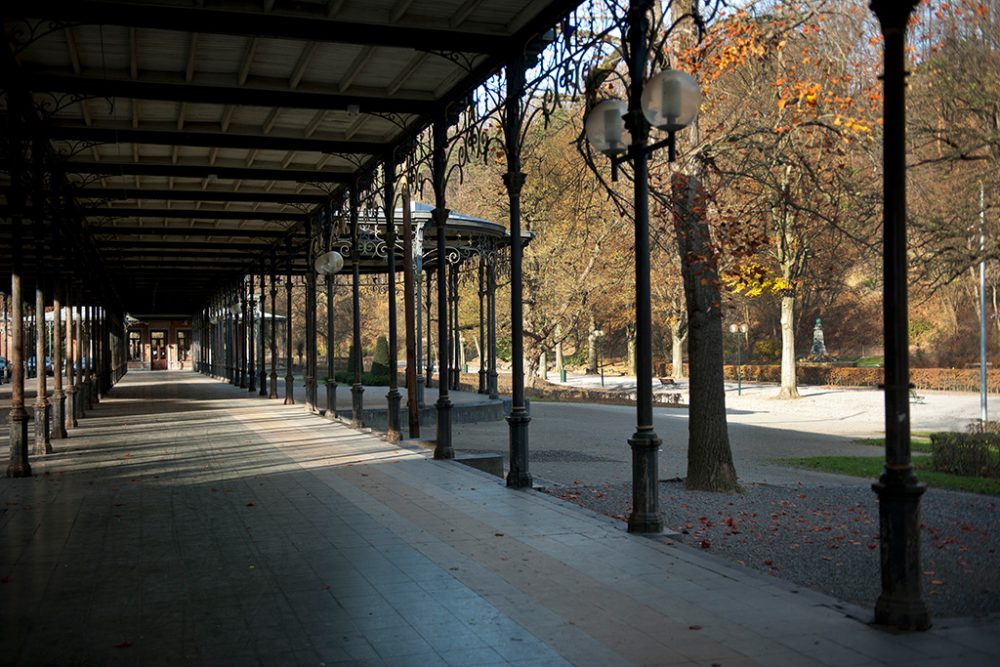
<point x="919" y="442"/>
<point x="871" y="467"/>
<point x="870" y="362"/>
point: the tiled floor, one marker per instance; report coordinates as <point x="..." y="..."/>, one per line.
<point x="185" y="522"/>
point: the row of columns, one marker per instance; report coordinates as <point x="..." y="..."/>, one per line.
<point x="231" y="339"/>
<point x="87" y="358"/>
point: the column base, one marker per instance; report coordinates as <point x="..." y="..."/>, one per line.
<point x="59" y="417"/>
<point x="43" y="442"/>
<point x="393" y="431"/>
<point x="274" y="386"/>
<point x="900" y="604"/>
<point x="442" y="448"/>
<point x="70" y="410"/>
<point x="645" y="516"/>
<point x="331" y="400"/>
<point x="420" y="390"/>
<point x="78" y="402"/>
<point x="357" y="405"/>
<point x="18" y="465"/>
<point x="263" y="385"/>
<point x="519" y="475"/>
<point x="289" y="390"/>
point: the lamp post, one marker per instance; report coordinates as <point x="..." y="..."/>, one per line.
<point x="599" y="335"/>
<point x="900" y="603"/>
<point x="328" y="265"/>
<point x="669" y="101"/>
<point x="739" y="330"/>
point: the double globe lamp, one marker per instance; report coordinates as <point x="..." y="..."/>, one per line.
<point x="670" y="102"/>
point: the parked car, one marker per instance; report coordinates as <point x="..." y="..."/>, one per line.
<point x="31" y="365"/>
<point x="4" y="369"/>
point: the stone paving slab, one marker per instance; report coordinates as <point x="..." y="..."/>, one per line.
<point x="185" y="522"/>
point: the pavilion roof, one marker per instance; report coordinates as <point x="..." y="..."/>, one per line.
<point x="193" y="137"/>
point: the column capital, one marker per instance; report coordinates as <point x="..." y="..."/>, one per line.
<point x="893" y="15"/>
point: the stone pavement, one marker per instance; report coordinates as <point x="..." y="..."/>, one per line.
<point x="186" y="522"/>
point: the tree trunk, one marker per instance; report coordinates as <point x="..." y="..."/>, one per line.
<point x="789" y="386"/>
<point x="592" y="348"/>
<point x="677" y="350"/>
<point x="631" y="352"/>
<point x="559" y="349"/>
<point x="710" y="459"/>
<point x="543" y="367"/>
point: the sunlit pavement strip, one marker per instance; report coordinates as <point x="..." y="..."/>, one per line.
<point x="187" y="523"/>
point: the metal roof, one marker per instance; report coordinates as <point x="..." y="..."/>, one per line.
<point x="194" y="135"/>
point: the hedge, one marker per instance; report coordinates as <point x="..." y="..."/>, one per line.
<point x="946" y="379"/>
<point x="970" y="454"/>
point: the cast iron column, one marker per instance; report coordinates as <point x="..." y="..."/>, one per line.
<point x="251" y="340"/>
<point x="310" y="375"/>
<point x="289" y="377"/>
<point x="442" y="448"/>
<point x="357" y="389"/>
<point x="482" y="324"/>
<point x="410" y="318"/>
<point x="645" y="516"/>
<point x="242" y="331"/>
<point x="900" y="604"/>
<point x="86" y="336"/>
<point x="69" y="414"/>
<point x="519" y="476"/>
<point x="274" y="329"/>
<point x="491" y="296"/>
<point x="263" y="330"/>
<point x="456" y="334"/>
<point x="42" y="407"/>
<point x="78" y="385"/>
<point x="393" y="429"/>
<point x="430" y="326"/>
<point x="331" y="371"/>
<point x="58" y="395"/>
<point x="18" y="416"/>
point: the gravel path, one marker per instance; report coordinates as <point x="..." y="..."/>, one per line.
<point x="826" y="537"/>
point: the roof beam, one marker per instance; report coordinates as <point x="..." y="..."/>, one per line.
<point x="203" y="170"/>
<point x="113" y="135"/>
<point x="223" y="94"/>
<point x="140" y="247"/>
<point x="200" y="195"/>
<point x="231" y="22"/>
<point x="113" y="230"/>
<point x="201" y="214"/>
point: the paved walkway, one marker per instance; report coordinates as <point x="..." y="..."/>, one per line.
<point x="185" y="522"/>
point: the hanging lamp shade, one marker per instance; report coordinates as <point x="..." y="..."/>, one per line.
<point x="329" y="263"/>
<point x="670" y="100"/>
<point x="605" y="128"/>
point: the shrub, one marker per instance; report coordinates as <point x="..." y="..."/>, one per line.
<point x="767" y="348"/>
<point x="969" y="454"/>
<point x="380" y="360"/>
<point x="370" y="379"/>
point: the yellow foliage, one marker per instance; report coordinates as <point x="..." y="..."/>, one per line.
<point x="753" y="279"/>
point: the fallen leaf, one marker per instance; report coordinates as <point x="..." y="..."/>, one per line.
<point x="694" y="627"/>
<point x="124" y="644"/>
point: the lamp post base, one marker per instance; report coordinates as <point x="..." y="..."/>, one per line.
<point x="645" y="516"/>
<point x="443" y="449"/>
<point x="519" y="477"/>
<point x="900" y="604"/>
